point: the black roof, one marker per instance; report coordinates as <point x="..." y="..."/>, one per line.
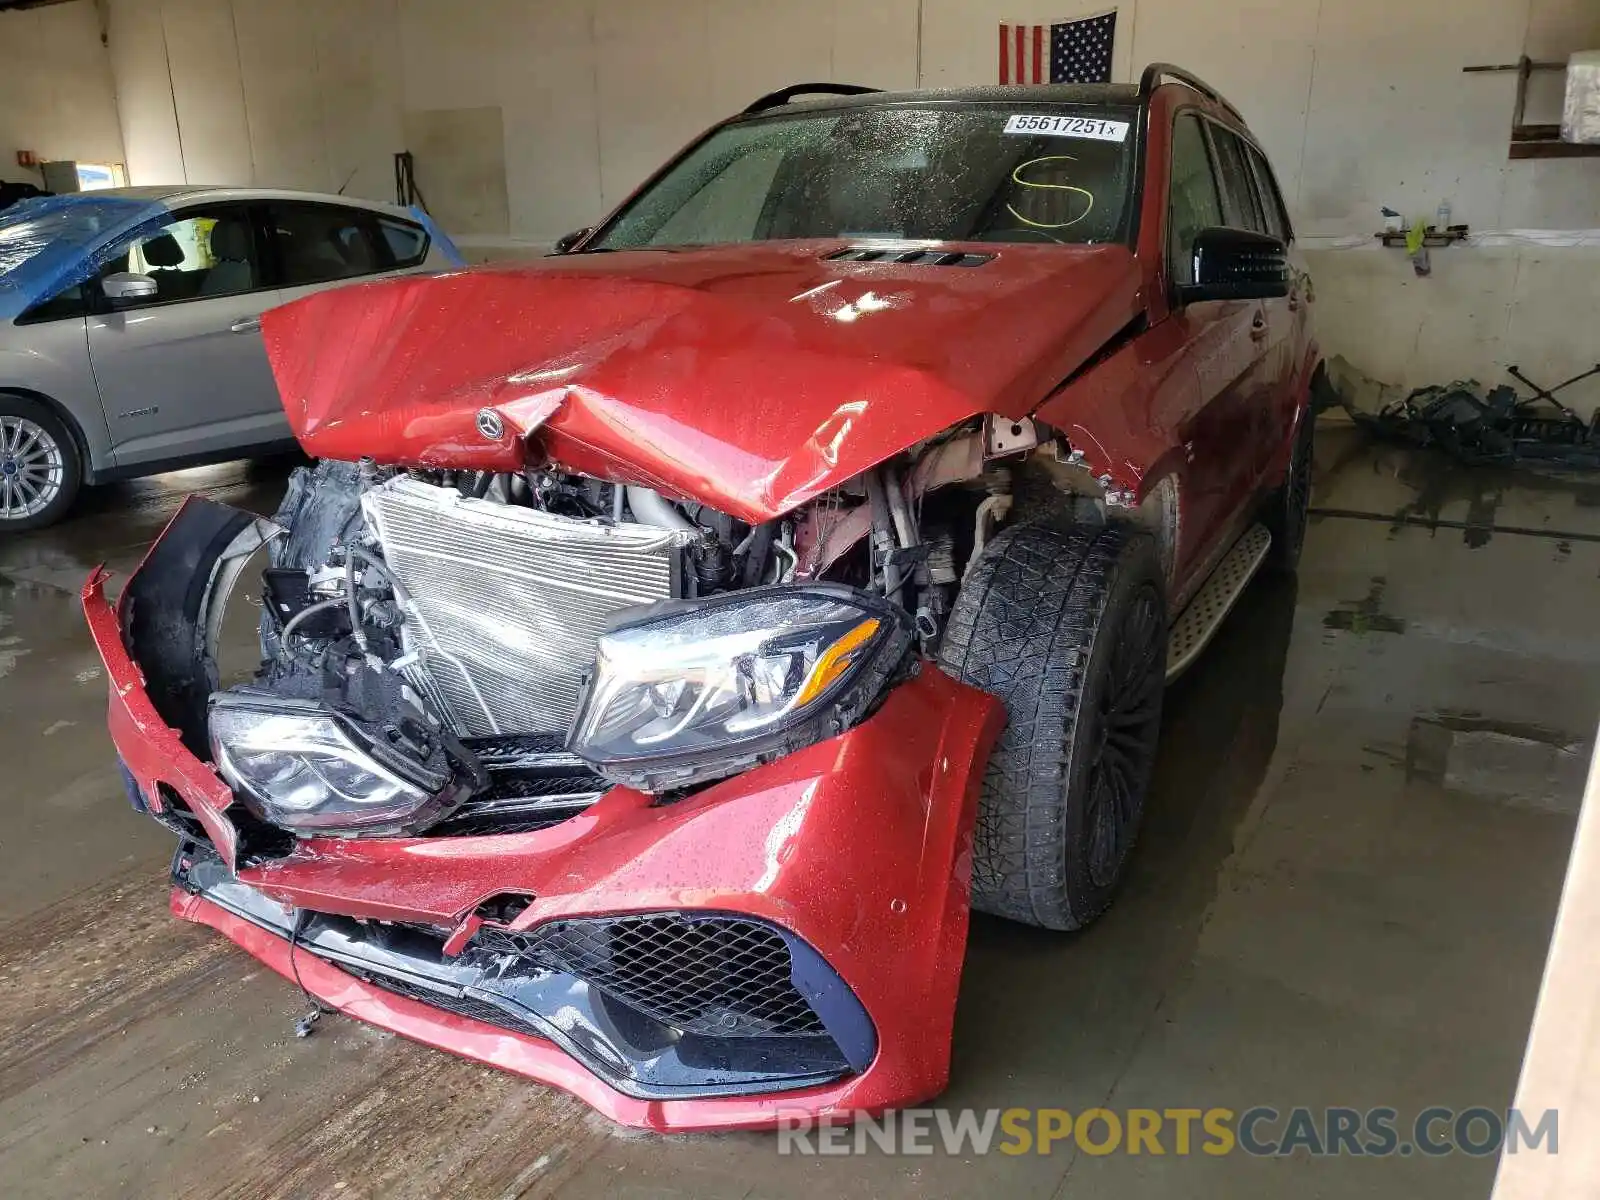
<point x="1078" y="95"/>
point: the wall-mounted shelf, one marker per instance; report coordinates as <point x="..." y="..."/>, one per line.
<point x="1534" y="141"/>
<point x="1552" y="147"/>
<point x="1434" y="238"/>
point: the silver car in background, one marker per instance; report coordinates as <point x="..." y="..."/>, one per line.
<point x="130" y="325"/>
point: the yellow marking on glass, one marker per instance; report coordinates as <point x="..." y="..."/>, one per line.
<point x="1016" y="177"/>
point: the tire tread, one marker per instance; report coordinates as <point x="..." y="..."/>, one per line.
<point x="1023" y="629"/>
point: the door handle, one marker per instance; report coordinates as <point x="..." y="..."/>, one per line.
<point x="245" y="325"/>
<point x="1258" y="327"/>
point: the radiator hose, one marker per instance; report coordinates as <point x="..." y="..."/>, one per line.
<point x="651" y="508"/>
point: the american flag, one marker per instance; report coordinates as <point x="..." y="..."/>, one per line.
<point x="1061" y="52"/>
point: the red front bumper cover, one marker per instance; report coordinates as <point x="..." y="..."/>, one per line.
<point x="858" y="847"/>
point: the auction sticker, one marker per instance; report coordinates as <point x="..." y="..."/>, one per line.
<point x="1035" y="124"/>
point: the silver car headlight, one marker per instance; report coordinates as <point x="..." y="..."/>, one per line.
<point x="699" y="690"/>
<point x="302" y="766"/>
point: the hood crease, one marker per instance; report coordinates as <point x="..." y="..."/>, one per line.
<point x="751" y="378"/>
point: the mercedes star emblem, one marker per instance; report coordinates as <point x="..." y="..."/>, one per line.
<point x="490" y="424"/>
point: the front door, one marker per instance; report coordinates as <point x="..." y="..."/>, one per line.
<point x="184" y="372"/>
<point x="1225" y="342"/>
<point x="1289" y="319"/>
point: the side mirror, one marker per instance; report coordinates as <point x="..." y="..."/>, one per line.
<point x="1237" y="264"/>
<point x="567" y="241"/>
<point x="126" y="285"/>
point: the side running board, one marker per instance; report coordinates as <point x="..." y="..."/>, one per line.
<point x="1200" y="620"/>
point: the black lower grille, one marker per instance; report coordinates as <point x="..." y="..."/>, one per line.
<point x="495" y="983"/>
<point x="460" y="1004"/>
<point x="715" y="975"/>
<point x="520" y="806"/>
<point x="502" y="751"/>
<point x="534" y="784"/>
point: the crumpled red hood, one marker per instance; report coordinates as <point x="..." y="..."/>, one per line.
<point x="751" y="378"/>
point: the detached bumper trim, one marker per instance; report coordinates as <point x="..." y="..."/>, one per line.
<point x="529" y="1057"/>
<point x="629" y="1051"/>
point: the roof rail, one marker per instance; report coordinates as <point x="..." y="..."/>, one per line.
<point x="782" y="96"/>
<point x="1157" y="73"/>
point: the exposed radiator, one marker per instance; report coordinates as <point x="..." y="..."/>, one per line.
<point x="509" y="600"/>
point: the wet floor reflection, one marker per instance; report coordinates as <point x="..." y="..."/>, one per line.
<point x="1219" y="730"/>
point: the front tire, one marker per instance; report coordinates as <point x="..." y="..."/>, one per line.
<point x="1287" y="510"/>
<point x="1068" y="627"/>
<point x="39" y="468"/>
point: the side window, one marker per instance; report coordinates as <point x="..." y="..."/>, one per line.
<point x="1194" y="202"/>
<point x="1239" y="190"/>
<point x="204" y="253"/>
<point x="407" y="243"/>
<point x="1271" y="199"/>
<point x="68" y="302"/>
<point x="320" y="243"/>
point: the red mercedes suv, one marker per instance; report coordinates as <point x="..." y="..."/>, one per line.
<point x="680" y="633"/>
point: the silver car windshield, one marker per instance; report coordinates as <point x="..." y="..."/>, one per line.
<point x="43" y="242"/>
<point x="29" y="228"/>
<point x="926" y="172"/>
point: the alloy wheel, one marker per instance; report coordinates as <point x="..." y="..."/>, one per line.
<point x="1129" y="725"/>
<point x="32" y="468"/>
<point x="1297" y="492"/>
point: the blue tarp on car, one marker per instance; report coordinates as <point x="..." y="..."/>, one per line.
<point x="441" y="239"/>
<point x="49" y="243"/>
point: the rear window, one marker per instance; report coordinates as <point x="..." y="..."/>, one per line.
<point x="320" y="243"/>
<point x="1239" y="191"/>
<point x="990" y="173"/>
<point x="1271" y="200"/>
<point x="408" y="243"/>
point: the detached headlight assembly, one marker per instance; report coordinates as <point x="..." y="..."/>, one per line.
<point x="300" y="765"/>
<point x="699" y="690"/>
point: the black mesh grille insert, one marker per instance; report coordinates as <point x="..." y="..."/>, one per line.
<point x="718" y="976"/>
<point x="512" y="749"/>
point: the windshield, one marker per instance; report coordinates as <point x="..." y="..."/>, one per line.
<point x="988" y="174"/>
<point x="42" y="242"/>
<point x="30" y="227"/>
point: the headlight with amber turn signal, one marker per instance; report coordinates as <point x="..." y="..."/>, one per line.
<point x="698" y="690"/>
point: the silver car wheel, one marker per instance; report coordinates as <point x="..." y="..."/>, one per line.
<point x="32" y="468"/>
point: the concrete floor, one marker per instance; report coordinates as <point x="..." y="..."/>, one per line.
<point x="1348" y="874"/>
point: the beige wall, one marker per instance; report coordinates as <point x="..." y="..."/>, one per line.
<point x="593" y="93"/>
<point x="1360" y="103"/>
<point x="292" y="93"/>
<point x="55" y="89"/>
<point x="1480" y="310"/>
